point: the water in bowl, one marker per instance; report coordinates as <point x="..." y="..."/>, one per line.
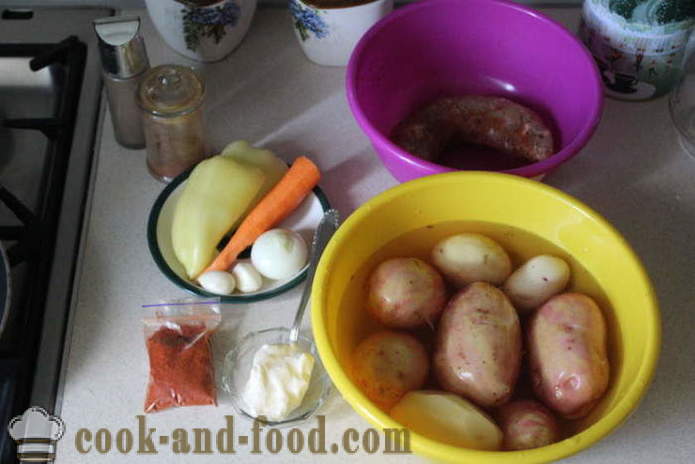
<point x="521" y="246"/>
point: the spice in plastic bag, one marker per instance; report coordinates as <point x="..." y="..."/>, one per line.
<point x="178" y="344"/>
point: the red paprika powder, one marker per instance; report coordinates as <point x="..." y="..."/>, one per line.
<point x="181" y="367"/>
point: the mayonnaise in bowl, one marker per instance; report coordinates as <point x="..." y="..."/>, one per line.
<point x="279" y="379"/>
<point x="256" y="373"/>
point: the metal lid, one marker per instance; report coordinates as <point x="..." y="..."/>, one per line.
<point x="170" y="90"/>
<point x="121" y="46"/>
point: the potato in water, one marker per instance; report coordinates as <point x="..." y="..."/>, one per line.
<point x="406" y="293"/>
<point x="479" y="345"/>
<point x="538" y="279"/>
<point x="447" y="418"/>
<point x="467" y="258"/>
<point x="527" y="424"/>
<point x="387" y="365"/>
<point x="567" y="348"/>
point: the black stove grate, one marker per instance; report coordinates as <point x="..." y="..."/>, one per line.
<point x="26" y="235"/>
<point x="34" y="240"/>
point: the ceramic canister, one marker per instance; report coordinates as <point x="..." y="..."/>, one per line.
<point x="639" y="45"/>
<point x="328" y="30"/>
<point x="204" y="30"/>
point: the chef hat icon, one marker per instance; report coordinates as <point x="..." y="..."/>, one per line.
<point x="36" y="433"/>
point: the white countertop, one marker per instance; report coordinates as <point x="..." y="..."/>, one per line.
<point x="633" y="171"/>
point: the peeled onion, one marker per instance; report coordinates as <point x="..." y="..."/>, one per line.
<point x="279" y="254"/>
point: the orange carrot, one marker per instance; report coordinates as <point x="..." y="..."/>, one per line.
<point x="284" y="198"/>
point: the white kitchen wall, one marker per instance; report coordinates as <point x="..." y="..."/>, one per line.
<point x="140" y="3"/>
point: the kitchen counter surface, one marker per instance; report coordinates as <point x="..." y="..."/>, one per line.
<point x="633" y="171"/>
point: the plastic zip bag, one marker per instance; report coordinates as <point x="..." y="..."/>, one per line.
<point x="177" y="337"/>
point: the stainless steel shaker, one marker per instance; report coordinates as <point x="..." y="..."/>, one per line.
<point x="124" y="62"/>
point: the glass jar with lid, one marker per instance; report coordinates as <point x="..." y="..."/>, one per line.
<point x="171" y="98"/>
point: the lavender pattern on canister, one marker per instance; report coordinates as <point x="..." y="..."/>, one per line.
<point x="307" y="20"/>
<point x="209" y="22"/>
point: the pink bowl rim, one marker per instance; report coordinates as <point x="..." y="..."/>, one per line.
<point x="530" y="170"/>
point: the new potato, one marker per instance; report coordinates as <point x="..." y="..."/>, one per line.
<point x="567" y="348"/>
<point x="387" y="365"/>
<point x="447" y="418"/>
<point x="467" y="258"/>
<point x="405" y="293"/>
<point x="527" y="424"/>
<point x="538" y="279"/>
<point x="478" y="349"/>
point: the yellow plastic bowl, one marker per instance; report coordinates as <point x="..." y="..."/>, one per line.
<point x="542" y="219"/>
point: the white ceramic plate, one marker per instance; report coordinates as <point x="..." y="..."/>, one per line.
<point x="304" y="220"/>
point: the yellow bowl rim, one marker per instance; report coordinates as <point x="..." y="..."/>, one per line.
<point x="440" y="451"/>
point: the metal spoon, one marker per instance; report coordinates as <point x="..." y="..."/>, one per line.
<point x="325" y="230"/>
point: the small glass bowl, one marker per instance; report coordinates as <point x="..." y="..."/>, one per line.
<point x="237" y="368"/>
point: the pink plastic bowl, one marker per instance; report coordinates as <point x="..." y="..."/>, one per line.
<point x="487" y="47"/>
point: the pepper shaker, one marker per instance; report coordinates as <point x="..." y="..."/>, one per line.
<point x="171" y="98"/>
<point x="124" y="62"/>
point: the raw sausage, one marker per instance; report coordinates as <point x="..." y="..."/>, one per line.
<point x="494" y="122"/>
